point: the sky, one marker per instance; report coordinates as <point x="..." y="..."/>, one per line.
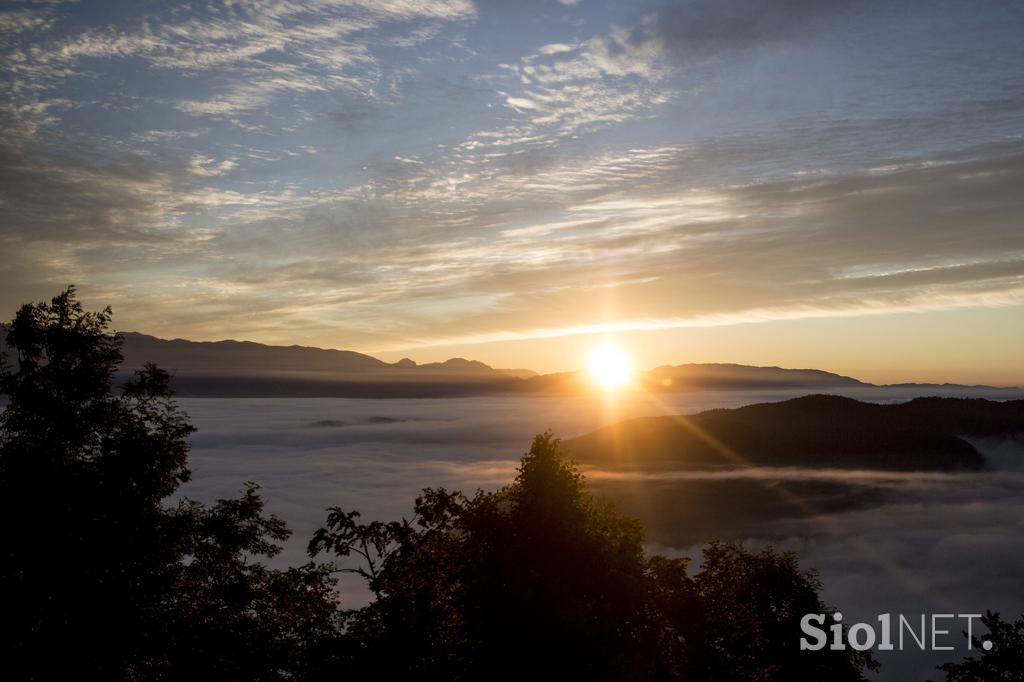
<point x="794" y="182"/>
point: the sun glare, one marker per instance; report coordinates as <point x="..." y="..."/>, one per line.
<point x="609" y="366"/>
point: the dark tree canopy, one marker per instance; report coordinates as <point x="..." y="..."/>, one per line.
<point x="540" y="578"/>
<point x="100" y="577"/>
<point x="1003" y="662"/>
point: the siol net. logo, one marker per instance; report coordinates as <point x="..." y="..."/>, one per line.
<point x="935" y="632"/>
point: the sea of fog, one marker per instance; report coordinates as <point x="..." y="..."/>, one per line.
<point x="918" y="543"/>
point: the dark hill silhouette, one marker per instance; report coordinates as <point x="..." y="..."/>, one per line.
<point x="230" y="357"/>
<point x="704" y="377"/>
<point x="248" y="369"/>
<point x="464" y="366"/>
<point x="730" y="376"/>
<point x="816" y="430"/>
<point x="725" y="376"/>
<point x="181" y="354"/>
<point x="245" y="368"/>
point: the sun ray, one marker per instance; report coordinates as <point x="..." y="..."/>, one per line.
<point x="810" y="512"/>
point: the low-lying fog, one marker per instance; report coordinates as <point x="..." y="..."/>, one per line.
<point x="883" y="542"/>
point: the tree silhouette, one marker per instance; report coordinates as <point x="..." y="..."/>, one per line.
<point x="739" y="617"/>
<point x="542" y="578"/>
<point x="1002" y="662"/>
<point x="100" y="579"/>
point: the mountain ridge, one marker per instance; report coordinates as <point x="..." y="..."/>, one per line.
<point x="229" y="354"/>
<point x="231" y="368"/>
<point x="814" y="430"/>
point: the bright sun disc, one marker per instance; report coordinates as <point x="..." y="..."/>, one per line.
<point x="609" y="366"/>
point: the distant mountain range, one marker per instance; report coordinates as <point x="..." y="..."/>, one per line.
<point x="238" y="368"/>
<point x="245" y="368"/>
<point x="246" y="356"/>
<point x="709" y="376"/>
<point x="812" y="431"/>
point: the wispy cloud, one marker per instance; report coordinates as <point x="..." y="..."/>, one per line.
<point x="420" y="172"/>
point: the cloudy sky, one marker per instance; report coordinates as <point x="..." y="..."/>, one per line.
<point x="796" y="182"/>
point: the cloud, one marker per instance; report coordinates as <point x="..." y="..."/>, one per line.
<point x="260" y="48"/>
<point x="698" y="30"/>
<point x="429" y="254"/>
<point x="208" y="167"/>
<point x="15" y="21"/>
<point x="356" y="116"/>
<point x="848" y="244"/>
<point x="883" y="541"/>
<point x="605" y="79"/>
<point x="905" y="544"/>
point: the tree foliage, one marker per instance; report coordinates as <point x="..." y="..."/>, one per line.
<point x="1003" y="662"/>
<point x="541" y="576"/>
<point x="103" y="578"/>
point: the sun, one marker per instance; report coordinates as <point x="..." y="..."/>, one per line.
<point x="609" y="366"/>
